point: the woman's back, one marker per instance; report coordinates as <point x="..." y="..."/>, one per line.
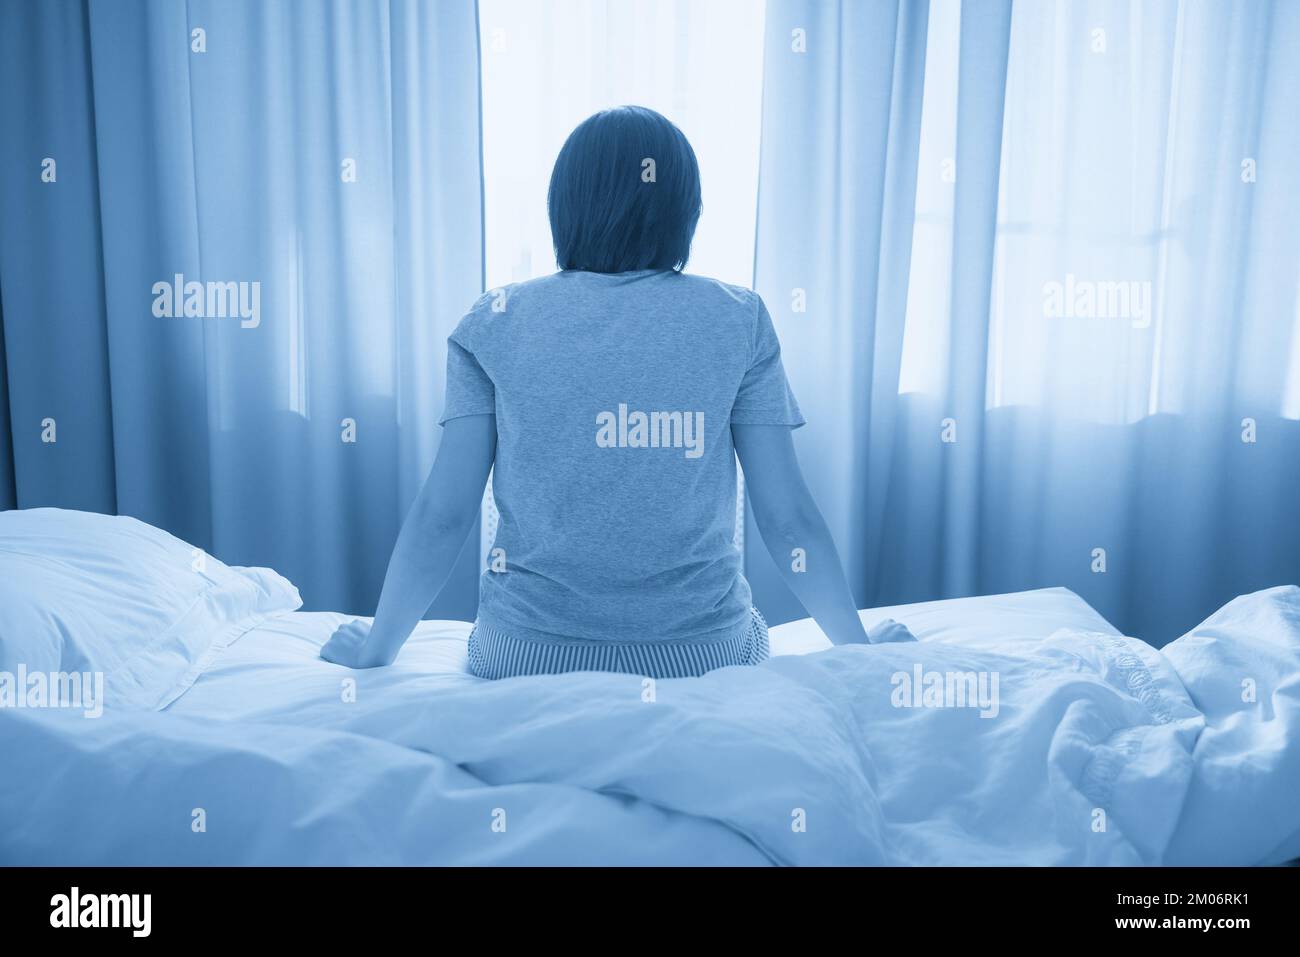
<point x="615" y="476"/>
<point x="604" y="399"/>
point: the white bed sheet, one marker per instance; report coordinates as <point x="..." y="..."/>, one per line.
<point x="276" y="667"/>
<point x="297" y="761"/>
<point x="982" y="621"/>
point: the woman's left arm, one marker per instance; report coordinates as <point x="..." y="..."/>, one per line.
<point x="427" y="547"/>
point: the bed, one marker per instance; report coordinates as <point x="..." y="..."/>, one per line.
<point x="275" y="669"/>
<point x="1019" y="729"/>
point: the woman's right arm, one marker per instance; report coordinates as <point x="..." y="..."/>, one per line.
<point x="788" y="518"/>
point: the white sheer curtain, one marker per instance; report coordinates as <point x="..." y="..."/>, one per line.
<point x="1130" y="151"/>
<point x="1098" y="294"/>
<point x="322" y="154"/>
<point x="547" y="66"/>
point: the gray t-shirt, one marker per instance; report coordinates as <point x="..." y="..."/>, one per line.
<point x="615" y="474"/>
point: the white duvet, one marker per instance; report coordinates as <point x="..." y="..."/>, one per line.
<point x="1097" y="749"/>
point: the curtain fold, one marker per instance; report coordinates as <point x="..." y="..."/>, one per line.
<point x="981" y="93"/>
<point x="837" y="175"/>
<point x="51" y="266"/>
<point x="1100" y="349"/>
<point x="234" y="298"/>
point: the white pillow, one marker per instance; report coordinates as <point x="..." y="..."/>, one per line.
<point x="84" y="593"/>
<point x="1241" y="667"/>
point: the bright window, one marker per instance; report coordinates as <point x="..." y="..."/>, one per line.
<point x="547" y="66"/>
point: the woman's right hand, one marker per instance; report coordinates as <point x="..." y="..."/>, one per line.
<point x="887" y="631"/>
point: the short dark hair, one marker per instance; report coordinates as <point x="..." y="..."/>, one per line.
<point x="610" y="209"/>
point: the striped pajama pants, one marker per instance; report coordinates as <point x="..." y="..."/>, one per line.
<point x="493" y="654"/>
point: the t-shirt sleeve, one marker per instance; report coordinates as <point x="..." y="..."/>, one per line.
<point x="469" y="390"/>
<point x="765" y="397"/>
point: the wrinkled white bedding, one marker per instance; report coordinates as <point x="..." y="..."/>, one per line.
<point x="1101" y="750"/>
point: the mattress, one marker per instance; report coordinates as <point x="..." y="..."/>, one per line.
<point x="276" y="667"/>
<point x="1091" y="748"/>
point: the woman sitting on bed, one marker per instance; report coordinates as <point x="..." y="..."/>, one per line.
<point x="610" y="401"/>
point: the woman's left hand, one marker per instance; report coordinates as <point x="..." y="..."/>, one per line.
<point x="348" y="647"/>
